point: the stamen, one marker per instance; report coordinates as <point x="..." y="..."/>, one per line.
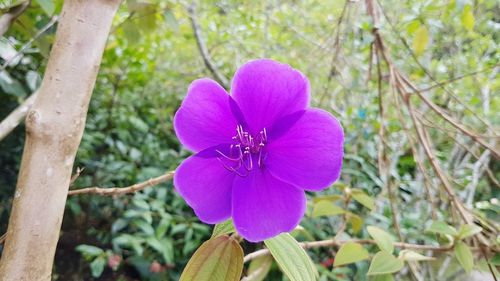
<point x="241" y="153"/>
<point x="227" y="157"/>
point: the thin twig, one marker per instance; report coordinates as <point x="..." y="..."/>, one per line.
<point x="334" y="243"/>
<point x="401" y="82"/>
<point x="16" y="116"/>
<point x="123" y="190"/>
<point x="207" y="59"/>
<point x="52" y="21"/>
<point x="113" y="190"/>
<point x="427" y="72"/>
<point x="460" y="77"/>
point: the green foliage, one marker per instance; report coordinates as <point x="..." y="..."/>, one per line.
<point x="384" y="240"/>
<point x="220" y="258"/>
<point x="442" y="228"/>
<point x="363" y="198"/>
<point x="226" y="227"/>
<point x="259" y="268"/>
<point x="292" y="259"/>
<point x="409" y="255"/>
<point x="421" y="40"/>
<point x="150" y="59"/>
<point x="350" y="252"/>
<point x="467" y="18"/>
<point x="326" y="208"/>
<point x="464" y="256"/>
<point x="384" y="263"/>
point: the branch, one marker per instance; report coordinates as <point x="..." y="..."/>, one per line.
<point x="451" y="80"/>
<point x="113" y="190"/>
<point x="207" y="59"/>
<point x="123" y="190"/>
<point x="334" y="243"/>
<point x="16" y="117"/>
<point x="400" y="82"/>
<point x="9" y="17"/>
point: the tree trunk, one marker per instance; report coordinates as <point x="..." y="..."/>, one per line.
<point x="54" y="127"/>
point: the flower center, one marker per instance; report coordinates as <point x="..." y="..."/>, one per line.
<point x="245" y="152"/>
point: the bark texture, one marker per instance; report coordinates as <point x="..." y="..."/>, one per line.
<point x="54" y="127"/>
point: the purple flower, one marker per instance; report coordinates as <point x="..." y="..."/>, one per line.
<point x="257" y="150"/>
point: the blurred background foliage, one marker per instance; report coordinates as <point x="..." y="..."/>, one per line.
<point x="152" y="56"/>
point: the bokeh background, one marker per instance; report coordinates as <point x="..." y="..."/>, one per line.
<point x="152" y="55"/>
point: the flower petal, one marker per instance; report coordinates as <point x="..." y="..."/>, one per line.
<point x="206" y="186"/>
<point x="266" y="90"/>
<point x="264" y="206"/>
<point x="309" y="154"/>
<point x="205" y="117"/>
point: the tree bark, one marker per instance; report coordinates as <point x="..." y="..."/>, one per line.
<point x="54" y="127"/>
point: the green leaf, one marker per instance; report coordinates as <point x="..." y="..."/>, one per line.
<point x="326" y="208"/>
<point x="332" y="198"/>
<point x="383" y="239"/>
<point x="170" y="20"/>
<point x="350" y="252"/>
<point x="464" y="256"/>
<point x="382" y="277"/>
<point x="413" y="26"/>
<point x="363" y="198"/>
<point x="144" y="227"/>
<point x="97" y="266"/>
<point x="89" y="250"/>
<point x="163" y="247"/>
<point x="5" y="5"/>
<point x="384" y="263"/>
<point x="292" y="259"/>
<point x="259" y="268"/>
<point x="408" y="255"/>
<point x="442" y="228"/>
<point x="468" y="230"/>
<point x="10" y="85"/>
<point x="495" y="260"/>
<point x="8" y="52"/>
<point x="33" y="80"/>
<point x="355" y="221"/>
<point x="223" y="228"/>
<point x="420" y="40"/>
<point x="47" y="6"/>
<point x="131" y="32"/>
<point x="467" y="18"/>
<point x="220" y="258"/>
